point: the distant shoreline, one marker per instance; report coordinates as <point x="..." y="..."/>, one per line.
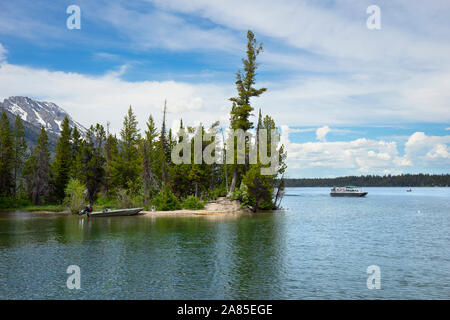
<point x="371" y="186"/>
<point x="404" y="180"/>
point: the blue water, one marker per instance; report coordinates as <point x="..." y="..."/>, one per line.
<point x="318" y="247"/>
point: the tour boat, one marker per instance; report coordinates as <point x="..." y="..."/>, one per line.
<point x="349" y="191"/>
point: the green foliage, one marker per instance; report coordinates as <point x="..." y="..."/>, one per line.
<point x="220" y="191"/>
<point x="243" y="196"/>
<point x="194" y="203"/>
<point x="127" y="165"/>
<point x="151" y="166"/>
<point x="259" y="187"/>
<point x="6" y="157"/>
<point x="7" y="203"/>
<point x="105" y="201"/>
<point x="19" y="148"/>
<point x="37" y="170"/>
<point x="92" y="161"/>
<point x="126" y="200"/>
<point x="63" y="160"/>
<point x="75" y="197"/>
<point x="129" y="170"/>
<point x="111" y="153"/>
<point x="166" y="201"/>
<point x="77" y="141"/>
<point x="241" y="109"/>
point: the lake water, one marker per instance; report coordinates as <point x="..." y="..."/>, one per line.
<point x="318" y="247"/>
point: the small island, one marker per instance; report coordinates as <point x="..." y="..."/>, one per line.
<point x="169" y="172"/>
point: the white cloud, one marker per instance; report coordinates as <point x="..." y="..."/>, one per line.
<point x="367" y="155"/>
<point x="429" y="150"/>
<point x="400" y="74"/>
<point x="358" y="76"/>
<point x="337" y="31"/>
<point x="322" y="132"/>
<point x="106" y="98"/>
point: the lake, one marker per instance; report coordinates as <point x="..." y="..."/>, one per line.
<point x="318" y="247"/>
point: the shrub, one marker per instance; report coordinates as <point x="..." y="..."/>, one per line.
<point x="7" y="203"/>
<point x="127" y="200"/>
<point x="104" y="201"/>
<point x="193" y="202"/>
<point x="75" y="196"/>
<point x="165" y="200"/>
<point x="259" y="188"/>
<point x="243" y="196"/>
<point x="220" y="191"/>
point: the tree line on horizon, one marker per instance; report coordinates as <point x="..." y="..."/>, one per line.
<point x="403" y="180"/>
<point x="135" y="169"/>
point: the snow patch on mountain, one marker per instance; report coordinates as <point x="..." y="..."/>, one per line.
<point x="15" y="109"/>
<point x="40" y="113"/>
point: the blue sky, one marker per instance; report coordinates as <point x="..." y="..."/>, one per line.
<point x="351" y="100"/>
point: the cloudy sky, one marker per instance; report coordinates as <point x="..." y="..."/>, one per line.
<point x="349" y="100"/>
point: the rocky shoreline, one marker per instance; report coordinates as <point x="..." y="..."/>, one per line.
<point x="220" y="207"/>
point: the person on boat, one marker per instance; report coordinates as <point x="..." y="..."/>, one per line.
<point x="87" y="209"/>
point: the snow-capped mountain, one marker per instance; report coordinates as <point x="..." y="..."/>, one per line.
<point x="39" y="114"/>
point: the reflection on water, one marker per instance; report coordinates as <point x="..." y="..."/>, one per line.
<point x="319" y="247"/>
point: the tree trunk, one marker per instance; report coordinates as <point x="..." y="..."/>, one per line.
<point x="233" y="181"/>
<point x="255" y="208"/>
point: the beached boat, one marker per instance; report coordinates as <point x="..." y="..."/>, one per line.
<point x="115" y="213"/>
<point x="349" y="191"/>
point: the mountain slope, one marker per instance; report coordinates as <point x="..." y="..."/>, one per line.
<point x="35" y="114"/>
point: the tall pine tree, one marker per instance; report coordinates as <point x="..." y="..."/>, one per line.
<point x="93" y="161"/>
<point x="37" y="170"/>
<point x="241" y="108"/>
<point x="6" y="157"/>
<point x="127" y="166"/>
<point x="19" y="152"/>
<point x="150" y="157"/>
<point x="63" y="160"/>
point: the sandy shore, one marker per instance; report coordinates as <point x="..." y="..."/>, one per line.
<point x="217" y="208"/>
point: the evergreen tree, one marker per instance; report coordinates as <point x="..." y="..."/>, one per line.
<point x="164" y="154"/>
<point x="93" y="161"/>
<point x="179" y="173"/>
<point x="111" y="154"/>
<point x="19" y="152"/>
<point x="63" y="160"/>
<point x="6" y="157"/>
<point x="260" y="188"/>
<point x="127" y="166"/>
<point x="37" y="170"/>
<point x="76" y="142"/>
<point x="150" y="157"/>
<point x="258" y="128"/>
<point x="241" y="108"/>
